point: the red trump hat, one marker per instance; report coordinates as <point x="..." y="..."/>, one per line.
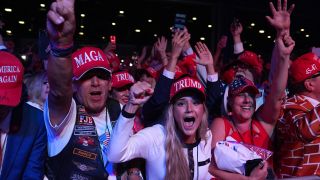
<point x="187" y="84"/>
<point x="121" y="79"/>
<point x="88" y="58"/>
<point x="304" y="67"/>
<point x="11" y="76"/>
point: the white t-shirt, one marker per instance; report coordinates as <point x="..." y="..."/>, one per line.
<point x="149" y="143"/>
<point x="59" y="136"/>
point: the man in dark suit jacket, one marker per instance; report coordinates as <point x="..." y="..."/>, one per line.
<point x="23" y="134"/>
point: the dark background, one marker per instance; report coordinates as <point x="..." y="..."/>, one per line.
<point x="220" y="13"/>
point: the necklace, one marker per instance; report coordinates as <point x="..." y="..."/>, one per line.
<point x="241" y="137"/>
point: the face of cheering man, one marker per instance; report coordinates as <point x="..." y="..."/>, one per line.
<point x="93" y="90"/>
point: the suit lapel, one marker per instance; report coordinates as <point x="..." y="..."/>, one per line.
<point x="13" y="145"/>
<point x="14" y="141"/>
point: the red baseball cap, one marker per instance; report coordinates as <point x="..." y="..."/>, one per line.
<point x="88" y="58"/>
<point x="228" y="75"/>
<point x="186" y="84"/>
<point x="11" y="79"/>
<point x="121" y="79"/>
<point x="304" y="67"/>
<point x="252" y="59"/>
<point x="241" y="84"/>
<point x="152" y="72"/>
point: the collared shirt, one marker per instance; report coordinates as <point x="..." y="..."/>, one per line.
<point x="314" y="102"/>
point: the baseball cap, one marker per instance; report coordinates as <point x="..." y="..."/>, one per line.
<point x="304" y="67"/>
<point x="186" y="84"/>
<point x="88" y="58"/>
<point x="241" y="84"/>
<point x="252" y="59"/>
<point x="11" y="76"/>
<point x="121" y="79"/>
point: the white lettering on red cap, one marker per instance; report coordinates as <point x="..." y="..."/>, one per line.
<point x="187" y="83"/>
<point x="124" y="77"/>
<point x="9" y="69"/>
<point x="92" y="56"/>
<point x="312" y="68"/>
<point x="8" y="79"/>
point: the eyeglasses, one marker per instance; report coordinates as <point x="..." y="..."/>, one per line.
<point x="315" y="75"/>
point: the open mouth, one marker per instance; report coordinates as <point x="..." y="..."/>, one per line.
<point x="95" y="93"/>
<point x="188" y="122"/>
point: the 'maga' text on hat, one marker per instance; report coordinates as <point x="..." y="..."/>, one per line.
<point x="88" y="57"/>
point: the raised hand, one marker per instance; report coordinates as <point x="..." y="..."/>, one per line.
<point x="140" y="92"/>
<point x="281" y="16"/>
<point x="110" y="47"/>
<point x="285" y="45"/>
<point x="205" y="56"/>
<point x="180" y="38"/>
<point x="61" y="22"/>
<point x="161" y="45"/>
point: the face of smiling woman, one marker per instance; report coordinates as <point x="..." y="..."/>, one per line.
<point x="188" y="112"/>
<point x="243" y="106"/>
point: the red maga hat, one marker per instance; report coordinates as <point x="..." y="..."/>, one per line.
<point x="88" y="58"/>
<point x="11" y="76"/>
<point x="304" y="67"/>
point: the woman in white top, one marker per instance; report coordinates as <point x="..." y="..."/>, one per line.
<point x="38" y="90"/>
<point x="180" y="149"/>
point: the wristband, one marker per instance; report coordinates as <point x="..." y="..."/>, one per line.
<point x="126" y="114"/>
<point x="61" y="52"/>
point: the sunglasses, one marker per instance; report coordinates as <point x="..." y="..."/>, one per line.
<point x="99" y="73"/>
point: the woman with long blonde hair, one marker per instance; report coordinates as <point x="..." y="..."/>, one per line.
<point x="180" y="149"/>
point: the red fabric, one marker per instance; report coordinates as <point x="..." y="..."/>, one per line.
<point x="11" y="75"/>
<point x="121" y="79"/>
<point x="88" y="58"/>
<point x="228" y="75"/>
<point x="304" y="67"/>
<point x="298" y="138"/>
<point x="188" y="65"/>
<point x="242" y="84"/>
<point x="252" y="59"/>
<point x="261" y="139"/>
<point x="184" y="84"/>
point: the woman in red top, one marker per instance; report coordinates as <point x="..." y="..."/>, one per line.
<point x="242" y="125"/>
